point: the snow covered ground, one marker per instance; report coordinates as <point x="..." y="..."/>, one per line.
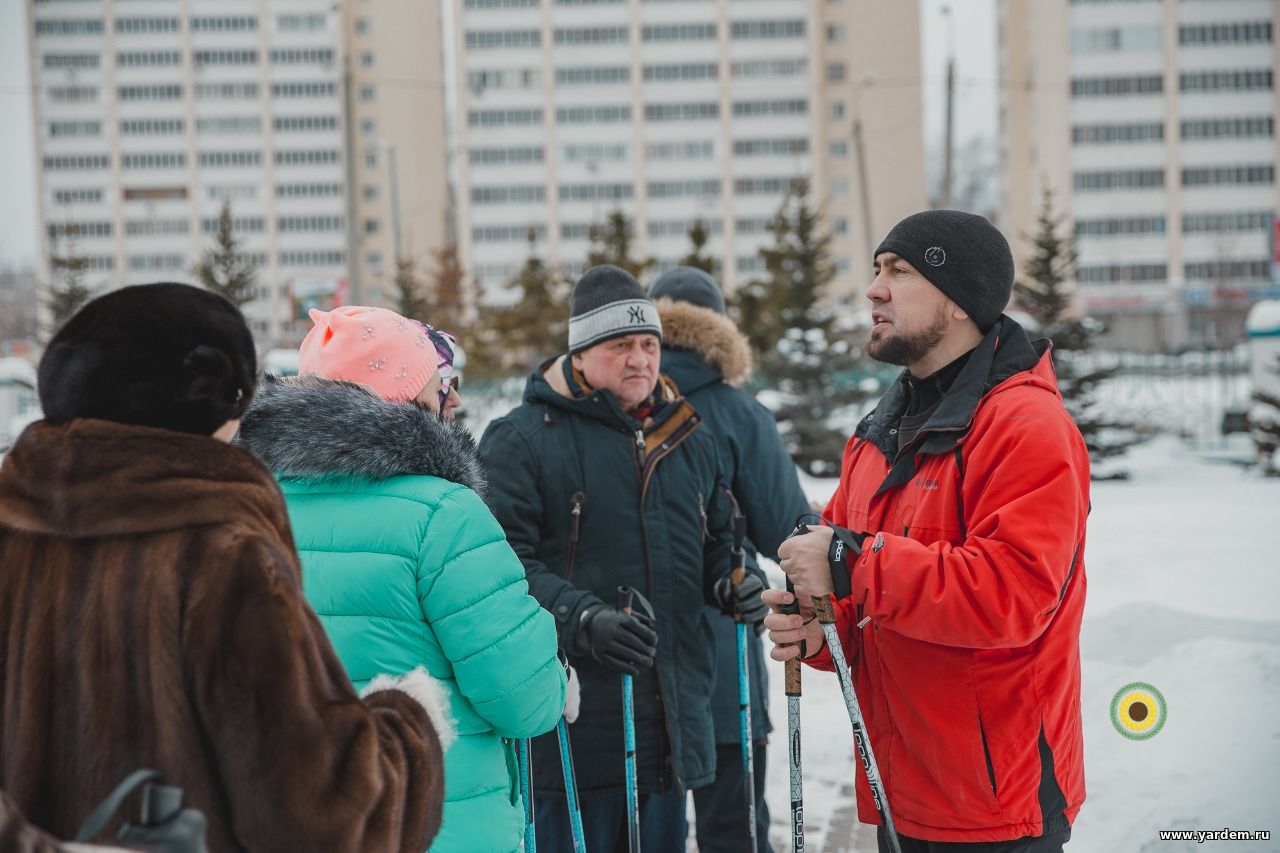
<point x="1183" y="564"/>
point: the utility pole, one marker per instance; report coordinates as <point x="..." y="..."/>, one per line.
<point x="864" y="192"/>
<point x="356" y="294"/>
<point x="392" y="175"/>
<point x="947" y="153"/>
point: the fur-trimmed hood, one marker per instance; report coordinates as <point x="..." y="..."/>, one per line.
<point x="316" y="428"/>
<point x="712" y="336"/>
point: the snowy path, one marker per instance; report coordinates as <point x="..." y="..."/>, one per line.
<point x="1183" y="565"/>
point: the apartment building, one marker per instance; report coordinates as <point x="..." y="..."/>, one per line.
<point x="679" y="111"/>
<point x="1154" y="123"/>
<point x="149" y="115"/>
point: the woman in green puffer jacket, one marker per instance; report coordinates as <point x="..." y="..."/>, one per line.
<point x="402" y="560"/>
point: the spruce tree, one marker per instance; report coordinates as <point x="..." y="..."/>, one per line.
<point x="410" y="300"/>
<point x="816" y="369"/>
<point x="448" y="304"/>
<point x="224" y="269"/>
<point x="611" y="244"/>
<point x="698" y="237"/>
<point x="67" y="289"/>
<point x="511" y="339"/>
<point x="1047" y="292"/>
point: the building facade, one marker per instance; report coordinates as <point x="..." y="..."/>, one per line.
<point x="680" y="111"/>
<point x="150" y="115"/>
<point x="1153" y="122"/>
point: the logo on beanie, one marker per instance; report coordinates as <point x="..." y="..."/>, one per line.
<point x="934" y="256"/>
<point x="635" y="314"/>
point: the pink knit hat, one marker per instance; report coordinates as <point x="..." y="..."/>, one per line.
<point x="371" y="346"/>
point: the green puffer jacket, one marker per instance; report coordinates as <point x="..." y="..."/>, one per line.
<point x="406" y="566"/>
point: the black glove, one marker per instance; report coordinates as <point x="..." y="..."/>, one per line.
<point x="743" y="602"/>
<point x="626" y="642"/>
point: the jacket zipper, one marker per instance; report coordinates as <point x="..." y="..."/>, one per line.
<point x="575" y="510"/>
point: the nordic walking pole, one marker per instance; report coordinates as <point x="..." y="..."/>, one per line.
<point x="526" y="794"/>
<point x="791" y="676"/>
<point x="744" y="683"/>
<point x="625" y="597"/>
<point x="571" y="788"/>
<point x="827" y="619"/>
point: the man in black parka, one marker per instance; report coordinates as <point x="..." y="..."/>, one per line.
<point x="707" y="357"/>
<point x="604" y="477"/>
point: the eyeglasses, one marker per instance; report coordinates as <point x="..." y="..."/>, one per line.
<point x="448" y="382"/>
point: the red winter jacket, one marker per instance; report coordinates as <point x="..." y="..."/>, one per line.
<point x="968" y="668"/>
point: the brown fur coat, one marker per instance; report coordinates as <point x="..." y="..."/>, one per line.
<point x="151" y="616"/>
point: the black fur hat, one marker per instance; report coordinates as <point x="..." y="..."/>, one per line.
<point x="171" y="356"/>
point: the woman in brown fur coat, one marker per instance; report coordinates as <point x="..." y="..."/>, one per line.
<point x="151" y="614"/>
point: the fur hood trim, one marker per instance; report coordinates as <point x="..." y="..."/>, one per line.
<point x="712" y="336"/>
<point x="316" y="428"/>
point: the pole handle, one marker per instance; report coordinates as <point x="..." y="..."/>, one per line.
<point x="626" y="595"/>
<point x="823" y="610"/>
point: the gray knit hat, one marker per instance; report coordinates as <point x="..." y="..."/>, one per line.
<point x="607" y="303"/>
<point x="961" y="254"/>
<point x="689" y="284"/>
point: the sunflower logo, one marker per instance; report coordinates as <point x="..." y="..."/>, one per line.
<point x="1138" y="711"/>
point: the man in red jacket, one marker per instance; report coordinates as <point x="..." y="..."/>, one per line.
<point x="954" y="551"/>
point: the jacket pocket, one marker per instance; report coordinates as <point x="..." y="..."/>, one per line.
<point x="986" y="755"/>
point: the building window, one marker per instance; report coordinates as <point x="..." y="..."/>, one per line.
<point x="156" y="227"/>
<point x="148" y="58"/>
<point x="150" y="93"/>
<point x="74" y="129"/>
<point x="1131" y="226"/>
<point x="1261" y="173"/>
<point x="366" y="59"/>
<point x="681" y="72"/>
<point x="510" y="78"/>
<point x="709" y="188"/>
<point x="836" y="110"/>
<point x="292" y="224"/>
<point x="233" y="191"/>
<point x="312" y="259"/>
<point x="593" y="153"/>
<point x="362" y="26"/>
<point x="840" y="226"/>
<point x="366" y="93"/>
<point x="767" y="29"/>
<point x="78" y="196"/>
<point x="307" y="157"/>
<point x="1098" y="87"/>
<point x="304" y="90"/>
<point x="838" y="188"/>
<point x="87" y="230"/>
<point x="503" y="118"/>
<point x="507" y="233"/>
<point x="596" y="192"/>
<point x="504" y="39"/>
<point x="779" y="147"/>
<point x="570" y="36"/>
<point x="681" y="227"/>
<point x="374" y="261"/>
<point x="230" y="159"/>
<point x="835" y="32"/>
<point x="239" y="225"/>
<point x="1226" y="222"/>
<point x="838" y="148"/>
<point x="682" y="112"/>
<point x="593" y="75"/>
<point x="308" y="190"/>
<point x="77" y="163"/>
<point x="1228" y="270"/>
<point x="1120" y="273"/>
<point x="1101" y="134"/>
<point x="1218" y="81"/>
<point x="147" y="25"/>
<point x="228" y="124"/>
<point x="501" y="4"/>
<point x="369" y="193"/>
<point x="769" y="68"/>
<point x="678" y="32"/>
<point x="370" y="159"/>
<point x="607" y="114"/>
<point x="697" y="149"/>
<point x="765" y="186"/>
<point x="1234" y="32"/>
<point x="368" y="127"/>
<point x="75" y="61"/>
<point x="371" y="226"/>
<point x="154" y="160"/>
<point x="71" y="27"/>
<point x="304" y="123"/>
<point x="226" y="91"/>
<point x="156" y="263"/>
<point x="1114" y="39"/>
<point x="1234" y="127"/>
<point x="1132" y="179"/>
<point x="225" y="57"/>
<point x="233" y="24"/>
<point x="73" y="94"/>
<point x="153" y="127"/>
<point x="835" y="72"/>
<point x="302" y="56"/>
<point x="301" y="23"/>
<point x="757" y="109"/>
<point x="506" y="156"/>
<point x="517" y="194"/>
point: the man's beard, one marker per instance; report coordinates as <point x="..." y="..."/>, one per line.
<point x="908" y="349"/>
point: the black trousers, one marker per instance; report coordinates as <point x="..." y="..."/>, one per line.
<point x="721" y="807"/>
<point x="1051" y="843"/>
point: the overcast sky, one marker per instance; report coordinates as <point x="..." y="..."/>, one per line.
<point x="975" y="111"/>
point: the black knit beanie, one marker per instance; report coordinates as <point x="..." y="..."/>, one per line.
<point x="689" y="284"/>
<point x="607" y="303"/>
<point x="170" y="356"/>
<point x="961" y="254"/>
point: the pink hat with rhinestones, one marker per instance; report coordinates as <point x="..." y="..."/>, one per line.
<point x="371" y="346"/>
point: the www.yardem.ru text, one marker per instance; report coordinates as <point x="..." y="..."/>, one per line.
<point x="1200" y="836"/>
